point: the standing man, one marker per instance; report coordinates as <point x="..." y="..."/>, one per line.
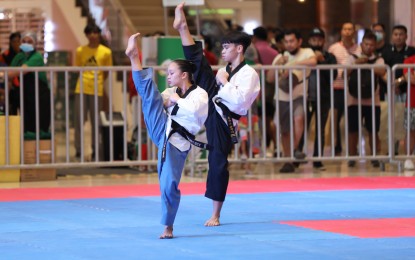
<point x="266" y="54"/>
<point x="294" y="55"/>
<point x="318" y="98"/>
<point x="94" y="54"/>
<point x="231" y="94"/>
<point x="396" y="54"/>
<point x="342" y="50"/>
<point x="366" y="56"/>
<point x="381" y="44"/>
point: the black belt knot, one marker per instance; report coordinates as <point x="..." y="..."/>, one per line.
<point x="177" y="128"/>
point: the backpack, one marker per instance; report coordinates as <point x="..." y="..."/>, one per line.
<point x="365" y="81"/>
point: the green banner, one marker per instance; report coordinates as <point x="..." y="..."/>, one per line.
<point x="168" y="49"/>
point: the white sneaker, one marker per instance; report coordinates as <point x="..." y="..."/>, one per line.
<point x="409" y="165"/>
<point x="244" y="157"/>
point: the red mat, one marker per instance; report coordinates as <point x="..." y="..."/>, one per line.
<point x="235" y="187"/>
<point x="362" y="228"/>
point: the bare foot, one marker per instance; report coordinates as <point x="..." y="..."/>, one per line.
<point x="212" y="222"/>
<point x="132" y="48"/>
<point x="168" y="233"/>
<point x="179" y="22"/>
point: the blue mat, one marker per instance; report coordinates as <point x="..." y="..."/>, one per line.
<point x="129" y="228"/>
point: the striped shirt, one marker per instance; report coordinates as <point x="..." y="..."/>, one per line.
<point x="342" y="55"/>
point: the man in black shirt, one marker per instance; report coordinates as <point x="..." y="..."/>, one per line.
<point x="381" y="44"/>
<point x="396" y="54"/>
<point x="318" y="98"/>
<point x="398" y="51"/>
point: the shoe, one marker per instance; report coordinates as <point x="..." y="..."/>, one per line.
<point x="351" y="163"/>
<point x="337" y="150"/>
<point x="375" y="163"/>
<point x="296" y="164"/>
<point x="276" y="155"/>
<point x="299" y="155"/>
<point x="409" y="165"/>
<point x="78" y="155"/>
<point x="287" y="168"/>
<point x="319" y="166"/>
<point x="244" y="157"/>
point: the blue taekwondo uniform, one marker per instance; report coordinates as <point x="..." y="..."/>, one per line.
<point x="172" y="130"/>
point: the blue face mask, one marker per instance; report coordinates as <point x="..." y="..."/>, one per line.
<point x="26" y="47"/>
<point x="379" y="36"/>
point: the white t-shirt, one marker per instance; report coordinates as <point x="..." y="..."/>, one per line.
<point x="301" y="88"/>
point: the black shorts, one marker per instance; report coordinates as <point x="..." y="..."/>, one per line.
<point x="269" y="109"/>
<point x="353" y="116"/>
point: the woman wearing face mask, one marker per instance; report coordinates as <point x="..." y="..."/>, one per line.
<point x="29" y="57"/>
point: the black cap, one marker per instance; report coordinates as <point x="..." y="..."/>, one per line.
<point x="317" y="32"/>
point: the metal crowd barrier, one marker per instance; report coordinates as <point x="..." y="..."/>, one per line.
<point x="62" y="147"/>
<point x="402" y="101"/>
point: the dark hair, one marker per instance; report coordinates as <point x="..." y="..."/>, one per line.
<point x="293" y="31"/>
<point x="14" y="35"/>
<point x="186" y="66"/>
<point x="279" y="35"/>
<point x="237" y="37"/>
<point x="92" y="28"/>
<point x="400" y="27"/>
<point x="378" y="24"/>
<point x="261" y="33"/>
<point x="369" y="35"/>
<point x="208" y="42"/>
<point x="354" y="26"/>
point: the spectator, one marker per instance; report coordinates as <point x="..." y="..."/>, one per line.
<point x="14" y="48"/>
<point x="29" y="57"/>
<point x="366" y="56"/>
<point x="279" y="41"/>
<point x="5" y="59"/>
<point x="396" y="54"/>
<point x="379" y="30"/>
<point x="271" y="33"/>
<point x="266" y="54"/>
<point x="207" y="51"/>
<point x="94" y="54"/>
<point x="342" y="50"/>
<point x="410" y="108"/>
<point x="316" y="42"/>
<point x="293" y="56"/>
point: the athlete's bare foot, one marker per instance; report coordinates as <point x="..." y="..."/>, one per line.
<point x="168" y="233"/>
<point x="179" y="22"/>
<point x="132" y="48"/>
<point x="212" y="222"/>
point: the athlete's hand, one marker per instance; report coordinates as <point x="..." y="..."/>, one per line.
<point x="174" y="98"/>
<point x="222" y="77"/>
<point x="132" y="47"/>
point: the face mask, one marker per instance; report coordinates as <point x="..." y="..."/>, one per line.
<point x="26" y="47"/>
<point x="379" y="36"/>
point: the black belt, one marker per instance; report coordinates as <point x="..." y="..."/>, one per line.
<point x="177" y="128"/>
<point x="229" y="116"/>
